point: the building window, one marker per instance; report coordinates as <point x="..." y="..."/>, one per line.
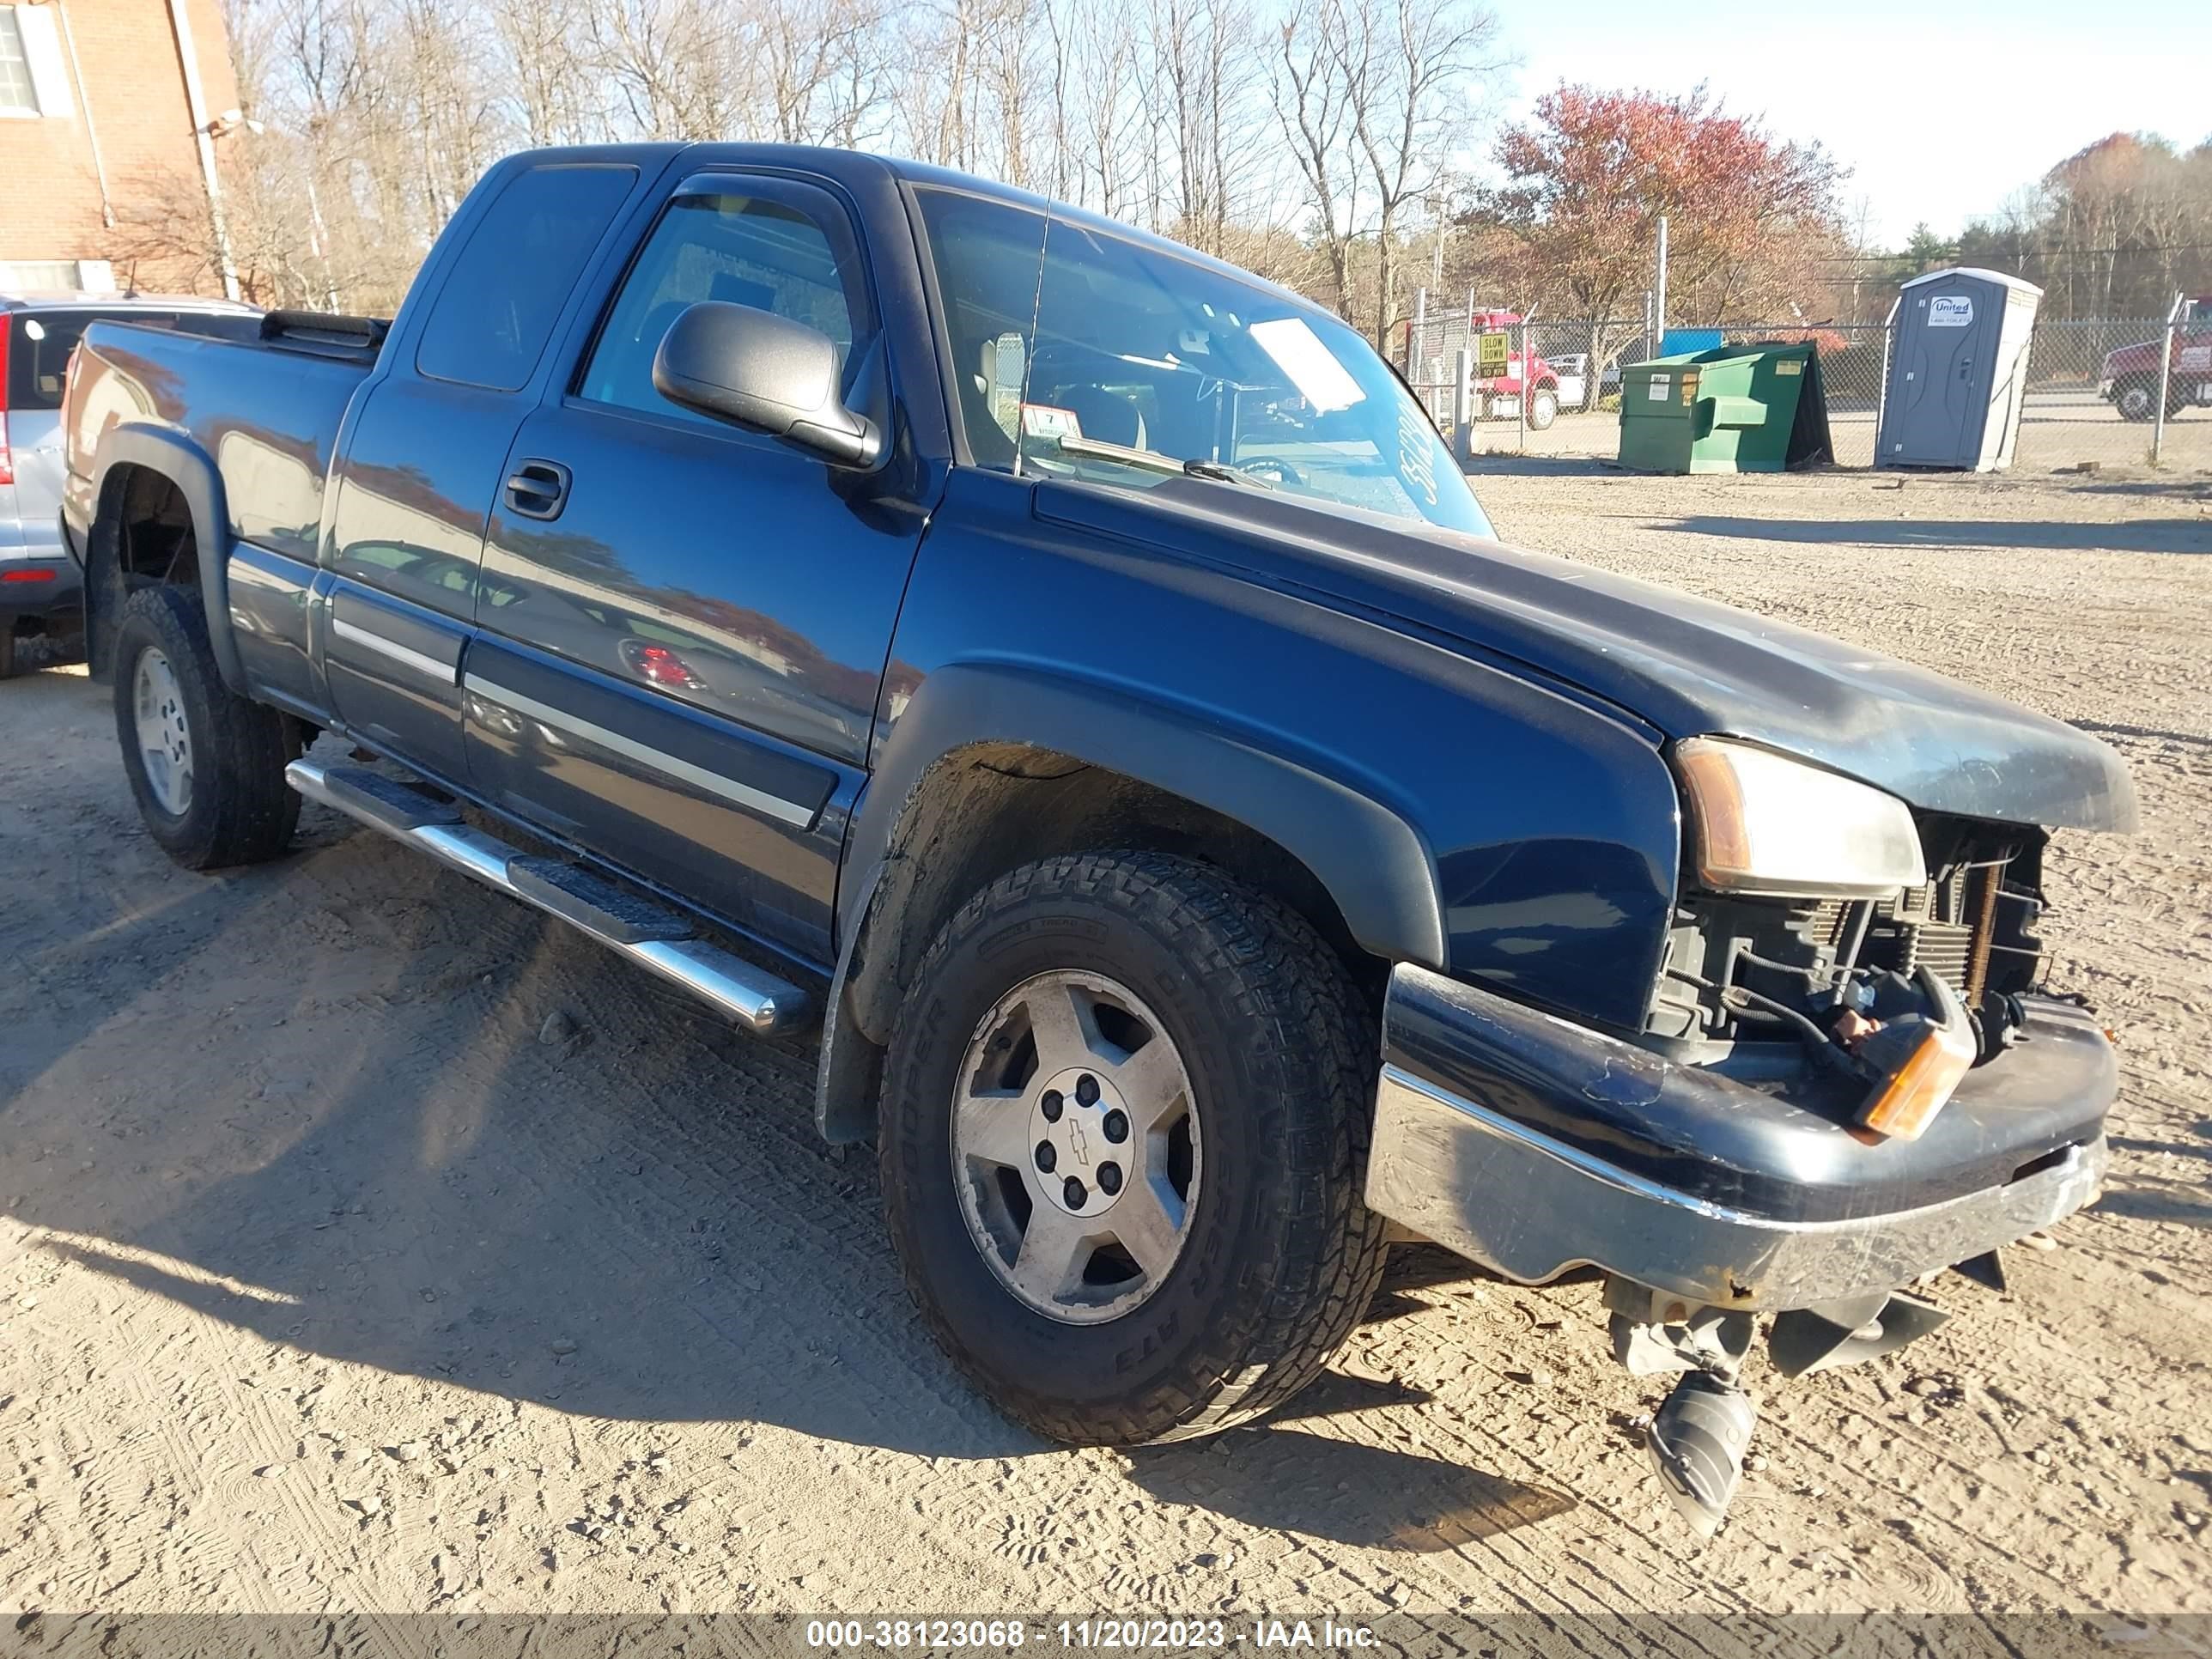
<point x="19" y="95"/>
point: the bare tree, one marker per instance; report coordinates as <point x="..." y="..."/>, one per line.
<point x="823" y="75"/>
<point x="381" y="114"/>
<point x="1411" y="70"/>
<point x="547" y="45"/>
<point x="1312" y="106"/>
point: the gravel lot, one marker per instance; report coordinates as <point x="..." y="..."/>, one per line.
<point x="2058" y="429"/>
<point x="327" y="1284"/>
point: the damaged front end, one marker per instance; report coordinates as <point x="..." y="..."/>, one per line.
<point x="1835" y="1095"/>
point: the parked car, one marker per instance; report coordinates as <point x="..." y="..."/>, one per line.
<point x="2128" y="379"/>
<point x="38" y="591"/>
<point x="1072" y="673"/>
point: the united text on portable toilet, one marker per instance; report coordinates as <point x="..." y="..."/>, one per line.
<point x="1958" y="369"/>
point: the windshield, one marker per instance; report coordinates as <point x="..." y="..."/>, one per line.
<point x="1126" y="364"/>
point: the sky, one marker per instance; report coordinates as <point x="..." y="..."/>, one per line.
<point x="1941" y="108"/>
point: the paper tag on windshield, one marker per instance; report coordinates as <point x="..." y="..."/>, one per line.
<point x="1043" y="421"/>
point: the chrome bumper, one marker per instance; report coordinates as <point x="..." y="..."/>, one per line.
<point x="1529" y="1206"/>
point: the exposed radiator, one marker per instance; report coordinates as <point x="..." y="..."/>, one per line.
<point x="1932" y="925"/>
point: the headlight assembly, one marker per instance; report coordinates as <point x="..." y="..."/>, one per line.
<point x="1762" y="823"/>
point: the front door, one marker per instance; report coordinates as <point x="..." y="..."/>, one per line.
<point x="678" y="669"/>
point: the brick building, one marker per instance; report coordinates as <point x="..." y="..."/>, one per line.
<point x="109" y="112"/>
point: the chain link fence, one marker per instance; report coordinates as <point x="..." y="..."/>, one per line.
<point x="2091" y="395"/>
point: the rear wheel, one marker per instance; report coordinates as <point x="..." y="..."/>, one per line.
<point x="1123" y="1139"/>
<point x="9" y="658"/>
<point x="207" y="766"/>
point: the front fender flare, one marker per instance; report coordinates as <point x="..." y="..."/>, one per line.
<point x="1373" y="863"/>
<point x="1375" y="866"/>
<point x="177" y="457"/>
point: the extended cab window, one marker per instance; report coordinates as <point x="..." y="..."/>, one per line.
<point x="490" y="321"/>
<point x="790" y="251"/>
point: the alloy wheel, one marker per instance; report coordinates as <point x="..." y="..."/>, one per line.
<point x="1076" y="1148"/>
<point x="165" y="740"/>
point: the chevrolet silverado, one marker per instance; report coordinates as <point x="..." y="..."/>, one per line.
<point x="1072" y="674"/>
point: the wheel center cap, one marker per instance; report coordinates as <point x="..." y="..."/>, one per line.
<point x="1080" y="1146"/>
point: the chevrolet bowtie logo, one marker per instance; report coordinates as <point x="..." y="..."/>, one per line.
<point x="1075" y="1143"/>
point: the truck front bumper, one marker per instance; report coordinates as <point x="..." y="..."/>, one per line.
<point x="1531" y="1145"/>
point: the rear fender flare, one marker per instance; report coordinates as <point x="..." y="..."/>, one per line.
<point x="181" y="460"/>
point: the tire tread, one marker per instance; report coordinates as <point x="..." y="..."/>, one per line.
<point x="1307" y="1021"/>
<point x="241" y="748"/>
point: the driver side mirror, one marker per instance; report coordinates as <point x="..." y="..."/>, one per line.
<point x="767" y="374"/>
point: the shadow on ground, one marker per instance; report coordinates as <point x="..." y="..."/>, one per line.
<point x="1286" y="1478"/>
<point x="354" y="1142"/>
<point x="2183" y="536"/>
<point x="1504" y="463"/>
<point x="2106" y="729"/>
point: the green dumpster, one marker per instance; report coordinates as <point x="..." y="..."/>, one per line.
<point x="1733" y="409"/>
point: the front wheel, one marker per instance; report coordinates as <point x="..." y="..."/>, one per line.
<point x="2136" y="400"/>
<point x="206" y="765"/>
<point x="1123" y="1133"/>
<point x="1543" y="409"/>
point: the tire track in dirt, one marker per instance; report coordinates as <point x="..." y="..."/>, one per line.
<point x="533" y="1289"/>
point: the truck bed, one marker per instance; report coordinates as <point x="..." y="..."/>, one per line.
<point x="267" y="408"/>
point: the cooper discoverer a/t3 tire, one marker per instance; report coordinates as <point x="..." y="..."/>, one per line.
<point x="1122" y="1137"/>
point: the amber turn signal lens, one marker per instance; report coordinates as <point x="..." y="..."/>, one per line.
<point x="1907" y="1103"/>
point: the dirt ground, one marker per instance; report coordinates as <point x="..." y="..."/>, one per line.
<point x="327" y="1283"/>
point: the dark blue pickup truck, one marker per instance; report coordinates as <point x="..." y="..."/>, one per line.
<point x="1074" y="674"/>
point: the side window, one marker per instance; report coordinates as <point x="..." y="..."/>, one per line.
<point x="490" y="323"/>
<point x="790" y="251"/>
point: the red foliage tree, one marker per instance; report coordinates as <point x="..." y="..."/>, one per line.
<point x="1588" y="175"/>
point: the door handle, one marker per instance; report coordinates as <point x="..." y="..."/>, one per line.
<point x="538" y="490"/>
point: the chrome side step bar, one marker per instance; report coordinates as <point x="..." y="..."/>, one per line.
<point x="756" y="998"/>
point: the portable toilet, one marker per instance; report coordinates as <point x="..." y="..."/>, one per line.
<point x="1958" y="368"/>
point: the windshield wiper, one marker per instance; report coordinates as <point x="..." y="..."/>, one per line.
<point x="1152" y="461"/>
<point x="1224" y="473"/>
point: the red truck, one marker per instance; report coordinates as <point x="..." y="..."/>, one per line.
<point x="1525" y="366"/>
<point x="1495" y="395"/>
<point x="2129" y="379"/>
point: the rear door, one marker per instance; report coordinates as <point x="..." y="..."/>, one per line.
<point x="422" y="459"/>
<point x="678" y="667"/>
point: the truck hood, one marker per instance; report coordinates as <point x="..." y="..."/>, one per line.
<point x="1685" y="666"/>
<point x="2125" y="360"/>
